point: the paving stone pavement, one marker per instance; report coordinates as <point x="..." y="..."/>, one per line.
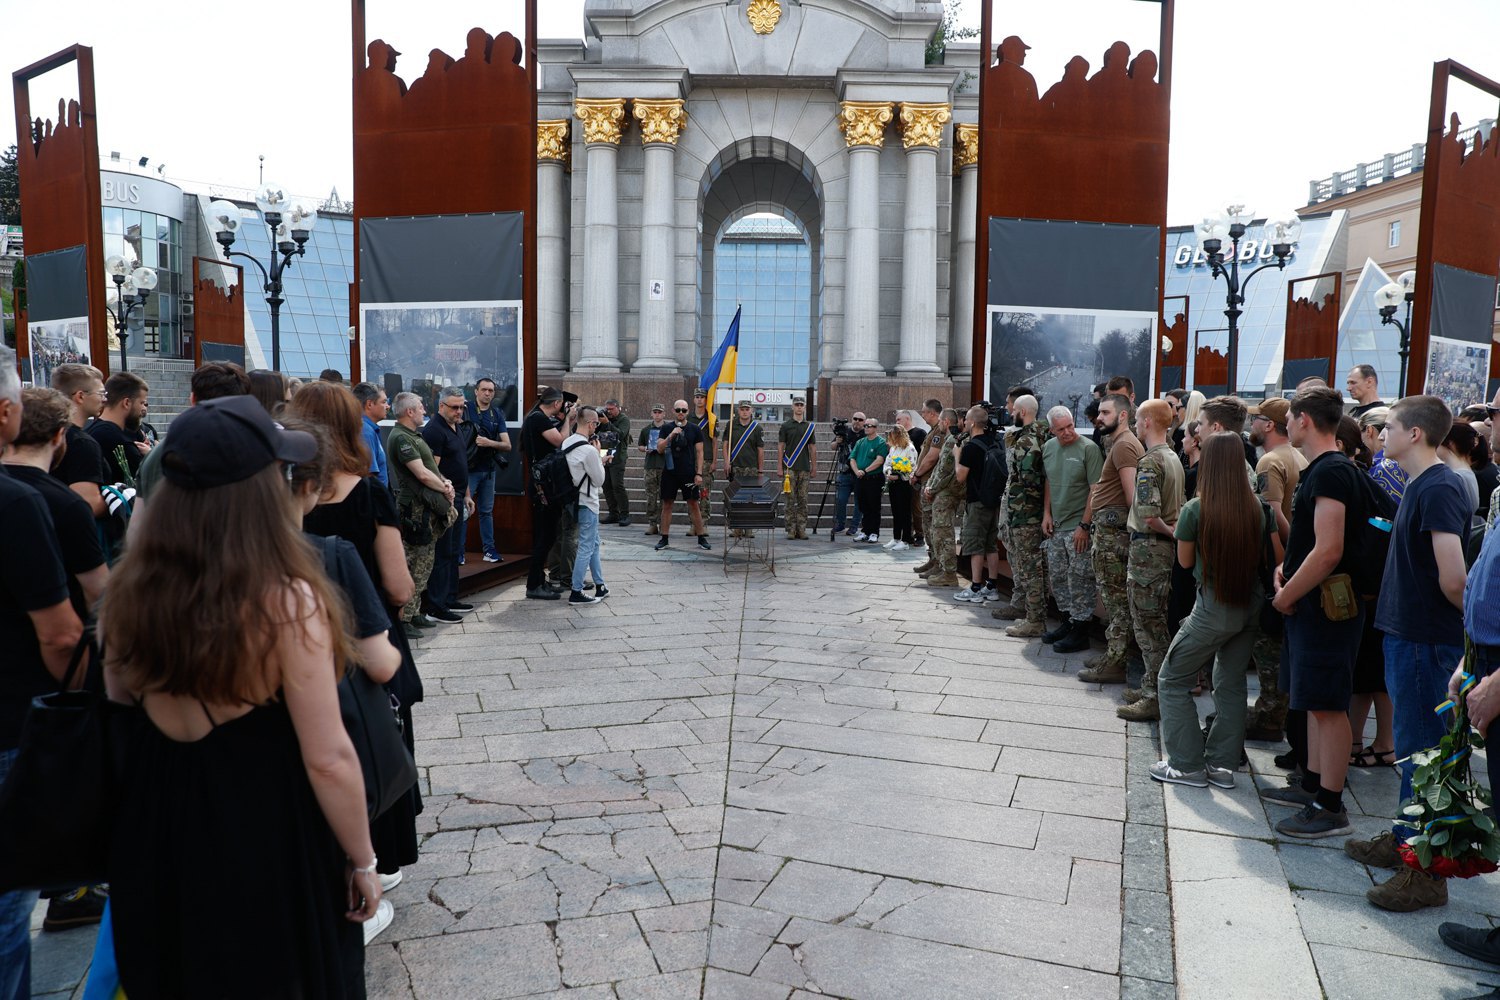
<point x="834" y="781"/>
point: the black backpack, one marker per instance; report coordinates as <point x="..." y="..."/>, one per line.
<point x="553" y="480"/>
<point x="1371" y="543"/>
<point x="994" y="474"/>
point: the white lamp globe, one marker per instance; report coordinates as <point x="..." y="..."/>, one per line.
<point x="1390" y="295"/>
<point x="272" y="199"/>
<point x="145" y="279"/>
<point x="224" y="217"/>
<point x="117" y="266"/>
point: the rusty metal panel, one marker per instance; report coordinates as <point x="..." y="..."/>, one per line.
<point x="218" y="309"/>
<point x="1312" y="328"/>
<point x="58" y="166"/>
<point x="1177" y="333"/>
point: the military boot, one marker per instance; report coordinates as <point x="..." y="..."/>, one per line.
<point x="941" y="579"/>
<point x="1027" y="630"/>
<point x="1076" y="641"/>
<point x="1102" y="670"/>
<point x="1009" y="613"/>
<point x="926" y="567"/>
<point x="1143" y="709"/>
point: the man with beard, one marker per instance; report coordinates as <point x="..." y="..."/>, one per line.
<point x="705" y="431"/>
<point x="684" y="448"/>
<point x="1107" y="516"/>
<point x="118" y="429"/>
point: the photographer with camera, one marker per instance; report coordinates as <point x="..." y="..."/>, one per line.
<point x="683" y="447"/>
<point x="614" y="436"/>
<point x="846" y="434"/>
<point x="541" y="434"/>
<point x="488" y="451"/>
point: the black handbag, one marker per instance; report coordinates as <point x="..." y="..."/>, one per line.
<point x="369" y="715"/>
<point x="57" y="805"/>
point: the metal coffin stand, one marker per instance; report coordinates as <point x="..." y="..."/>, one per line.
<point x="750" y="504"/>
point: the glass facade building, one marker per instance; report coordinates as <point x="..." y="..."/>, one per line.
<point x="764" y="264"/>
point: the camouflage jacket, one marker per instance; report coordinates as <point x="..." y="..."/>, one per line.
<point x="1027" y="475"/>
<point x="942" y="481"/>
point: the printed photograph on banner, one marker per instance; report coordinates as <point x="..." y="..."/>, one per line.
<point x="1061" y="354"/>
<point x="1458" y="372"/>
<point x="56" y="342"/>
<point x="424" y="347"/>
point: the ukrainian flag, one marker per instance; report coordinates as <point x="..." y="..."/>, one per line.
<point x="721" y="368"/>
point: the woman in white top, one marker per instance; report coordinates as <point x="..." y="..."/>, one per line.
<point x="900" y="463"/>
<point x="587" y="467"/>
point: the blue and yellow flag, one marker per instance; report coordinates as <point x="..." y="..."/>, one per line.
<point x="720" y="370"/>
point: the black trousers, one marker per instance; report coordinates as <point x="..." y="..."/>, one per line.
<point x="543" y="537"/>
<point x="867" y="489"/>
<point x="901" y="510"/>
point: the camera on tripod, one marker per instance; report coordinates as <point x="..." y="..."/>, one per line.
<point x="998" y="419"/>
<point x="840" y="425"/>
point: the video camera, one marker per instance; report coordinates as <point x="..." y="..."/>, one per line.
<point x="840" y="425"/>
<point x="998" y="419"/>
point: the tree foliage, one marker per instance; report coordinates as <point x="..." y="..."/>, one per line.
<point x="10" y="189"/>
<point x="949" y="30"/>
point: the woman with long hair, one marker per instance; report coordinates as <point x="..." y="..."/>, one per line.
<point x="355" y="506"/>
<point x="900" y="463"/>
<point x="1222" y="535"/>
<point x="272" y="390"/>
<point x="221" y="626"/>
<point x="1350" y="439"/>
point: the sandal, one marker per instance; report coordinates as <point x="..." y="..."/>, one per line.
<point x="1370" y="757"/>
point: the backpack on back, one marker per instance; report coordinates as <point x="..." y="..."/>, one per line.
<point x="1372" y="541"/>
<point x="553" y="480"/>
<point x="994" y="475"/>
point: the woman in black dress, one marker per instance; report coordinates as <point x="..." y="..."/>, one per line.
<point x="355" y="506"/>
<point x="231" y="642"/>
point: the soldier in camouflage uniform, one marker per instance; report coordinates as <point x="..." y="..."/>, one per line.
<point x="742" y="443"/>
<point x="655" y="463"/>
<point x="932" y="445"/>
<point x="1073" y="464"/>
<point x="798" y="456"/>
<point x="1106" y="516"/>
<point x="1024" y="488"/>
<point x="1148" y="580"/>
<point x="418" y="498"/>
<point x="946" y="495"/>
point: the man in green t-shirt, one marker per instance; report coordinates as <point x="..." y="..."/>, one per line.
<point x="743" y="448"/>
<point x="1073" y="464"/>
<point x="417" y="484"/>
<point x="797" y="457"/>
<point x="867" y="462"/>
<point x="655" y="463"/>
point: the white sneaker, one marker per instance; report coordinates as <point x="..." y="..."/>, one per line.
<point x="389" y="882"/>
<point x="990" y="594"/>
<point x="384" y="914"/>
<point x="890" y="544"/>
<point x="871" y="539"/>
<point x="898" y="546"/>
<point x="968" y="594"/>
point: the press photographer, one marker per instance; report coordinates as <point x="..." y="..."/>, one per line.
<point x="846" y="434"/>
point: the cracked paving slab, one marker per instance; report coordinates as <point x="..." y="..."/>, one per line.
<point x="828" y="782"/>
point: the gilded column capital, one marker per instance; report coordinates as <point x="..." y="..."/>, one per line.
<point x="661" y="120"/>
<point x="863" y="122"/>
<point x="552" y="137"/>
<point x="603" y="118"/>
<point x="922" y="124"/>
<point x="965" y="146"/>
<point x="763" y="15"/>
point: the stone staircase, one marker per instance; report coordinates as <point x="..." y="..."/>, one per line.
<point x="170" y="380"/>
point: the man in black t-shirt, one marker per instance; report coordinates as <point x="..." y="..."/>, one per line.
<point x="30" y="456"/>
<point x="540" y="437"/>
<point x="38" y="631"/>
<point x="82" y="466"/>
<point x="1318" y="651"/>
<point x="684" y="447"/>
<point x="452" y="453"/>
<point x="118" y="428"/>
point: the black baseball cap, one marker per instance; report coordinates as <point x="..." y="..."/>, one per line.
<point x="228" y="440"/>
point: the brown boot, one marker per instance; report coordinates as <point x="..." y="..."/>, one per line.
<point x="1009" y="613"/>
<point x="1027" y="630"/>
<point x="1132" y="695"/>
<point x="1104" y="672"/>
<point x="942" y="580"/>
<point x="1143" y="709"/>
<point x="925" y="568"/>
<point x="1378" y="852"/>
<point x="1409" y="890"/>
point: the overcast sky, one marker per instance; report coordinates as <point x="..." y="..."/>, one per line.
<point x="1266" y="95"/>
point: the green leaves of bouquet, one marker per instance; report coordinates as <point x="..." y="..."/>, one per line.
<point x="1453" y="833"/>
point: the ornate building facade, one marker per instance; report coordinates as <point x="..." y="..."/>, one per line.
<point x="673" y="122"/>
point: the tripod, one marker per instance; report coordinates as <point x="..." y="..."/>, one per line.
<point x="828" y="485"/>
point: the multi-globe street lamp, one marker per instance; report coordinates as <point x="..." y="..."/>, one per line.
<point x="1282" y="233"/>
<point x="1390" y="297"/>
<point x="133" y="286"/>
<point x="290" y="221"/>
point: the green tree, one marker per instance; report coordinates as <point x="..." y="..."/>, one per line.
<point x="949" y="30"/>
<point x="10" y="189"/>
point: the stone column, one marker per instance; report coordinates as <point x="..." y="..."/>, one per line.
<point x="863" y="124"/>
<point x="602" y="121"/>
<point x="965" y="219"/>
<point x="661" y="124"/>
<point x="553" y="142"/>
<point x="921" y="134"/>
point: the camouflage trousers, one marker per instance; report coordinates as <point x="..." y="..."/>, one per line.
<point x="1072" y="576"/>
<point x="1270" y="708"/>
<point x="419" y="560"/>
<point x="1148" y="584"/>
<point x="796" y="505"/>
<point x="1111" y="554"/>
<point x="705" y="499"/>
<point x="946" y="508"/>
<point x="653" y="498"/>
<point x="1028" y="568"/>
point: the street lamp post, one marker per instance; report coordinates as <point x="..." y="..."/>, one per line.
<point x="291" y="222"/>
<point x="1212" y="232"/>
<point x="133" y="285"/>
<point x="1390" y="297"/>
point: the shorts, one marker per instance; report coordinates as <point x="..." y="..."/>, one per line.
<point x="978" y="535"/>
<point x="672" y="486"/>
<point x="1318" y="656"/>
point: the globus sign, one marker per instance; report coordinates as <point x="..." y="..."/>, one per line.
<point x="1189" y="255"/>
<point x="767" y="397"/>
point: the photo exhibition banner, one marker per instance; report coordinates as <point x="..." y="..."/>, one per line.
<point x="57" y="325"/>
<point x="1071" y="304"/>
<point x="440" y="305"/>
<point x="1458" y="354"/>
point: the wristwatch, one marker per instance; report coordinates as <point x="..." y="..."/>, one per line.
<point x="1087" y="526"/>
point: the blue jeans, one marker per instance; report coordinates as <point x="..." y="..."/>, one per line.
<point x="843" y="490"/>
<point x="1416" y="675"/>
<point x="482" y="485"/>
<point x="587" y="559"/>
<point x="15" y="926"/>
